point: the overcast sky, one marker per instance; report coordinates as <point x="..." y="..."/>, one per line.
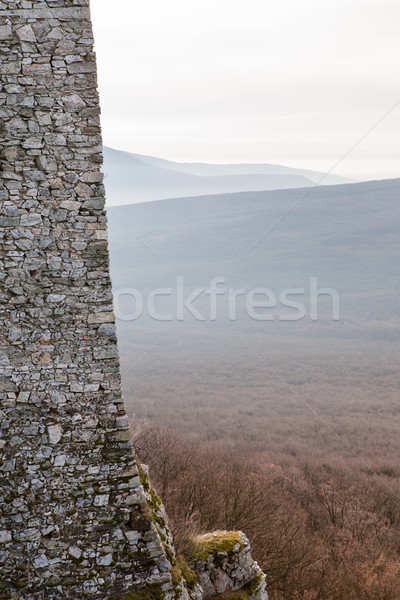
<point x="290" y="82"/>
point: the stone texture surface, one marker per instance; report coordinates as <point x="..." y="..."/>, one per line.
<point x="223" y="564"/>
<point x="69" y="483"/>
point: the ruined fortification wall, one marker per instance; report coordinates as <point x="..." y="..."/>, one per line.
<point x="77" y="518"/>
<point x="73" y="518"/>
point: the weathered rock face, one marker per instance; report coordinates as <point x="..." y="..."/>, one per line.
<point x="223" y="564"/>
<point x="73" y="516"/>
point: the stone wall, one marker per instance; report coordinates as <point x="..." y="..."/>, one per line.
<point x="74" y="520"/>
<point x="78" y="516"/>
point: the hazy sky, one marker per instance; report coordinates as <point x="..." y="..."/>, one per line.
<point x="291" y="82"/>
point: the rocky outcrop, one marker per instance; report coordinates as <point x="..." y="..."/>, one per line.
<point x="223" y="565"/>
<point x="219" y="565"/>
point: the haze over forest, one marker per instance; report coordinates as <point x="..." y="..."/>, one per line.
<point x="297" y="405"/>
<point x="345" y="236"/>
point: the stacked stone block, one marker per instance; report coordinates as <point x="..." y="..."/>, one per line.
<point x="74" y="521"/>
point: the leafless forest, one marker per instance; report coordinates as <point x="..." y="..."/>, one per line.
<point x="304" y="458"/>
<point x="320" y="528"/>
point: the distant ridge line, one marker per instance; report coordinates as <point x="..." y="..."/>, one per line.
<point x="133" y="178"/>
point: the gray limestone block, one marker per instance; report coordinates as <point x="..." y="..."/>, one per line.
<point x="9" y="221"/>
<point x="94" y="204"/>
<point x="25" y="33"/>
<point x="5" y="32"/>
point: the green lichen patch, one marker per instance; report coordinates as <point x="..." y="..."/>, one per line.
<point x="155" y="505"/>
<point x="10" y="498"/>
<point x="155" y="500"/>
<point x="176" y="575"/>
<point x="169" y="554"/>
<point x="237" y="596"/>
<point x="254" y="584"/>
<point x="181" y="571"/>
<point x="189" y="577"/>
<point x="230" y="542"/>
<point x="143" y="478"/>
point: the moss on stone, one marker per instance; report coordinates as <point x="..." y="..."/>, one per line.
<point x="19" y="584"/>
<point x="169" y="554"/>
<point x="155" y="501"/>
<point x="181" y="571"/>
<point x="189" y="577"/>
<point x="236" y="596"/>
<point x="158" y="520"/>
<point x="10" y="498"/>
<point x="144" y="480"/>
<point x="176" y="575"/>
<point x="254" y="584"/>
<point x="155" y="505"/>
<point x="214" y="543"/>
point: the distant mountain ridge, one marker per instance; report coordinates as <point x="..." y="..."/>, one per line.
<point x="133" y="178"/>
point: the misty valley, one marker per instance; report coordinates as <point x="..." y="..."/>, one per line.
<point x="297" y="417"/>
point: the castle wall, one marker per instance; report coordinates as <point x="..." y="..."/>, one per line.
<point x="73" y="517"/>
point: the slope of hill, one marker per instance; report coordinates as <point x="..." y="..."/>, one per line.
<point x="133" y="178"/>
<point x="346" y="236"/>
